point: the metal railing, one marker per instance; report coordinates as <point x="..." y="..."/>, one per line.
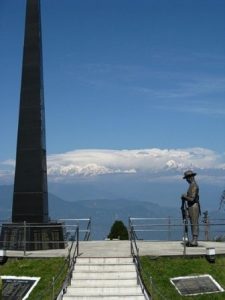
<point x="73" y="231"/>
<point x="135" y="254"/>
<point x="140" y="272"/>
<point x="67" y="267"/>
<point x="84" y="227"/>
<point x="172" y="229"/>
<point x="30" y="237"/>
<point x="149" y="295"/>
<point x="72" y="256"/>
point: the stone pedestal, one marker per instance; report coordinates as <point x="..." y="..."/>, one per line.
<point x="35" y="236"/>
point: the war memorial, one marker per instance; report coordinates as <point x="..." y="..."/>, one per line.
<point x="104" y="269"/>
<point x="30" y="197"/>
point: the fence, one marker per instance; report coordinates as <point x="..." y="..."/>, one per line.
<point x="73" y="231"/>
<point x="172" y="229"/>
<point x="32" y="236"/>
<point x="53" y="291"/>
<point x="84" y="228"/>
<point x="167" y="229"/>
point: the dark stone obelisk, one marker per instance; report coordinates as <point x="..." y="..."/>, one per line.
<point x="30" y="198"/>
<point x="31" y="228"/>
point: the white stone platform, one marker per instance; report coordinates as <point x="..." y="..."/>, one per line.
<point x="122" y="249"/>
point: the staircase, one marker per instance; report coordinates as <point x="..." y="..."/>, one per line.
<point x="104" y="278"/>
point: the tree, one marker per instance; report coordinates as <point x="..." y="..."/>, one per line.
<point x="118" y="231"/>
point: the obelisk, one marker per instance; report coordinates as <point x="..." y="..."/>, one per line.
<point x="31" y="228"/>
<point x="30" y="198"/>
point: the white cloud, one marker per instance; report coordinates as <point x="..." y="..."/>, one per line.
<point x="9" y="162"/>
<point x="99" y="162"/>
<point x="156" y="164"/>
<point x="6" y="176"/>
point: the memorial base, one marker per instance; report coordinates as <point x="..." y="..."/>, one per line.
<point x="24" y="236"/>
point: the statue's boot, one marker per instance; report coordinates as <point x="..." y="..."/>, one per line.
<point x="194" y="242"/>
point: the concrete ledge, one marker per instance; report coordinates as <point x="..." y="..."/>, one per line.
<point x="176" y="248"/>
<point x="122" y="249"/>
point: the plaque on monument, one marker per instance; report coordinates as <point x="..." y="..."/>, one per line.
<point x="17" y="288"/>
<point x="32" y="236"/>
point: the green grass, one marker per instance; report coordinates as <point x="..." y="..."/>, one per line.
<point x="162" y="269"/>
<point x="44" y="268"/>
<point x="0" y="288"/>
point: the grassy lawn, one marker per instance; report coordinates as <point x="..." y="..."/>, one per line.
<point x="44" y="268"/>
<point x="162" y="269"/>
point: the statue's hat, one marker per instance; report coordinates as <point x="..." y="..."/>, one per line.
<point x="188" y="173"/>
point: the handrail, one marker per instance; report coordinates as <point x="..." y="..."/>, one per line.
<point x="139" y="269"/>
<point x="209" y="228"/>
<point x="69" y="263"/>
<point x="72" y="261"/>
<point x="135" y="254"/>
<point x="88" y="231"/>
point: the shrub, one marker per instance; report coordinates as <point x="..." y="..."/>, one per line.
<point x="118" y="231"/>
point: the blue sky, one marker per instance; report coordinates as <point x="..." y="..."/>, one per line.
<point x="121" y="76"/>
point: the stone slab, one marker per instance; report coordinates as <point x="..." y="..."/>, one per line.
<point x="122" y="249"/>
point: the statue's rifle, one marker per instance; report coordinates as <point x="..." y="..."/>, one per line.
<point x="185" y="219"/>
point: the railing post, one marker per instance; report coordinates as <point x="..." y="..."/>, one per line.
<point x="131" y="248"/>
<point x="89" y="237"/>
<point x="169" y="228"/>
<point x="131" y="240"/>
<point x="151" y="287"/>
<point x="184" y="238"/>
<point x="24" y="238"/>
<point x="206" y="221"/>
<point x="129" y="228"/>
<point x="78" y="237"/>
<point x="53" y="288"/>
<point x="130" y="235"/>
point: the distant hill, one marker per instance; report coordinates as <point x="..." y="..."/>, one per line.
<point x="103" y="212"/>
<point x="135" y="188"/>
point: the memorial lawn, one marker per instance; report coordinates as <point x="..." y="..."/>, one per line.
<point x="47" y="269"/>
<point x="157" y="272"/>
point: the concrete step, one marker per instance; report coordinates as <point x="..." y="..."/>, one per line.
<point x="109" y="278"/>
<point x="104" y="291"/>
<point x="104" y="268"/>
<point x="104" y="260"/>
<point x="104" y="275"/>
<point x="103" y="283"/>
<point x="124" y="297"/>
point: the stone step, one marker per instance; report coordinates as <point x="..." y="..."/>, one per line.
<point x="104" y="275"/>
<point x="104" y="291"/>
<point x="103" y="283"/>
<point x="110" y="278"/>
<point x="104" y="260"/>
<point x="104" y="268"/>
<point x="124" y="297"/>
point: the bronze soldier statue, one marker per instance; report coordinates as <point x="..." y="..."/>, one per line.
<point x="191" y="198"/>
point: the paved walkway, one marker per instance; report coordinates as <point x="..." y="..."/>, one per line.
<point x="122" y="249"/>
<point x="176" y="248"/>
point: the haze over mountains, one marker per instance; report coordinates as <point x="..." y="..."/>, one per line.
<point x="89" y="202"/>
<point x="103" y="212"/>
